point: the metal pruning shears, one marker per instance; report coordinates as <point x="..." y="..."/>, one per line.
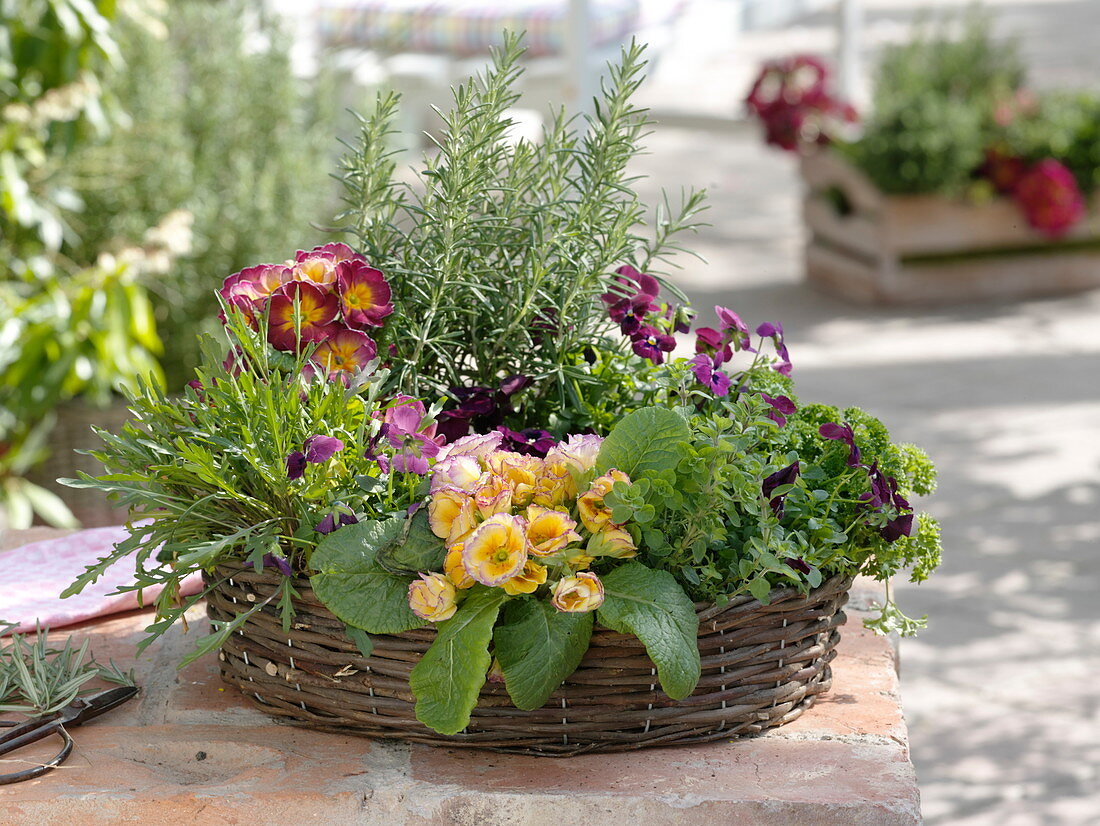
<point x="76" y="713"/>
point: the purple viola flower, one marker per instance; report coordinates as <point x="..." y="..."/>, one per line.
<point x="774" y="331"/>
<point x="529" y="442"/>
<point x="480" y="408"/>
<point x="513" y="384"/>
<point x="295" y="465"/>
<point x="884" y="494"/>
<point x="706" y="371"/>
<point x="786" y="476"/>
<point x="798" y="563"/>
<point x="652" y="344"/>
<point x="782" y="407"/>
<point x="734" y="330"/>
<point x="274" y="561"/>
<point x="416" y="450"/>
<point x="402" y="429"/>
<point x="319" y="449"/>
<point x="842" y="433"/>
<point x="713" y="343"/>
<point x="631" y="295"/>
<point x="338" y="517"/>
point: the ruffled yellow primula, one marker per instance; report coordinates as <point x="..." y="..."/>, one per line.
<point x="444" y="508"/>
<point x="455" y="570"/>
<point x="549" y="531"/>
<point x="497" y="550"/>
<point x="594" y="514"/>
<point x="526" y="581"/>
<point x="612" y="541"/>
<point x="432" y="597"/>
<point x="554" y="486"/>
<point x="521" y="473"/>
<point x="578" y="594"/>
<point x="493" y="495"/>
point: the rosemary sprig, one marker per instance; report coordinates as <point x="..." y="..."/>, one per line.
<point x="36" y="678"/>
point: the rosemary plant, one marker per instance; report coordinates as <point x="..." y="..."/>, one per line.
<point x="498" y="252"/>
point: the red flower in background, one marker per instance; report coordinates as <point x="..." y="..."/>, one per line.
<point x="1049" y="197"/>
<point x="790" y="98"/>
<point x="1004" y="171"/>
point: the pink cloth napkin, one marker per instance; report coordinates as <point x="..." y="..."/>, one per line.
<point x="32" y="578"/>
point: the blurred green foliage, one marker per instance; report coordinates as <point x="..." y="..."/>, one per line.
<point x="50" y="54"/>
<point x="1064" y="126"/>
<point x="933" y="107"/>
<point x="219" y="126"/>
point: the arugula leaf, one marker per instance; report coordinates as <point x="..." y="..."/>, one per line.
<point x="448" y="679"/>
<point x="538" y="647"/>
<point x="652" y="606"/>
<point x="355" y="587"/>
<point x="645" y="441"/>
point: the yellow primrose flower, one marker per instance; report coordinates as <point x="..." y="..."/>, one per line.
<point x="594" y="514"/>
<point x="462" y="472"/>
<point x="497" y="550"/>
<point x="554" y="486"/>
<point x="521" y="472"/>
<point x="444" y="508"/>
<point x="494" y="495"/>
<point x="549" y="531"/>
<point x="614" y="542"/>
<point x="432" y="597"/>
<point x="578" y="594"/>
<point x="463" y="524"/>
<point x="577" y="558"/>
<point x="455" y="570"/>
<point x="526" y="581"/>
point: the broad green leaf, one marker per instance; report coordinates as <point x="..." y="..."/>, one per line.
<point x="415" y="549"/>
<point x="652" y="606"/>
<point x="538" y="647"/>
<point x="760" y="588"/>
<point x="644" y="441"/>
<point x="447" y="680"/>
<point x="351" y="583"/>
<point x="361" y="639"/>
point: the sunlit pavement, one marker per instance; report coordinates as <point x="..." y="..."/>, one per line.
<point x="1001" y="692"/>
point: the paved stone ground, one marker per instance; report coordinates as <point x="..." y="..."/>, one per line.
<point x="1004" y="720"/>
<point x="1000" y="692"/>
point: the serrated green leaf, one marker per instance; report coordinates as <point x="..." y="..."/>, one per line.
<point x="652" y="606"/>
<point x="538" y="647"/>
<point x="447" y="680"/>
<point x="355" y="587"/>
<point x="645" y="441"/>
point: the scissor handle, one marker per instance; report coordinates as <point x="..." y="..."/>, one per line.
<point x="43" y="768"/>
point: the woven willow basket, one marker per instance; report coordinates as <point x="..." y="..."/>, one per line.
<point x="763" y="665"/>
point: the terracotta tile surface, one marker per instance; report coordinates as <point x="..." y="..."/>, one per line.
<point x="190" y="750"/>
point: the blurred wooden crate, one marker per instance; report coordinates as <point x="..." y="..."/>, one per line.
<point x="874" y="248"/>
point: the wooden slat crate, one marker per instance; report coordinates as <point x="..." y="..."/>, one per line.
<point x="875" y="248"/>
